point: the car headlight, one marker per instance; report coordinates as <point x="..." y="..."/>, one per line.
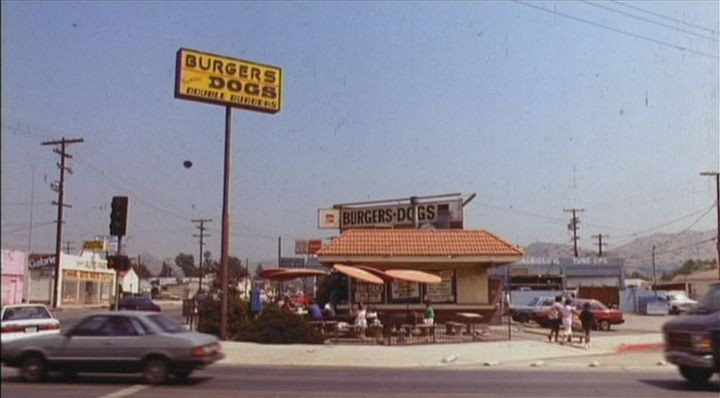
<point x="701" y="341"/>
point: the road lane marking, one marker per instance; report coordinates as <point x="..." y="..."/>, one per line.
<point x="126" y="391"/>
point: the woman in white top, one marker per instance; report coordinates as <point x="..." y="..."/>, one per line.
<point x="568" y="312"/>
<point x="361" y="316"/>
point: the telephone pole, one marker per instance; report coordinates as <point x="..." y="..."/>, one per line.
<point x="600" y="243"/>
<point x="201" y="235"/>
<point x="62" y="143"/>
<point x="716" y="174"/>
<point x="573" y="226"/>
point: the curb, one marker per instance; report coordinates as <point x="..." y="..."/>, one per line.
<point x="639" y="347"/>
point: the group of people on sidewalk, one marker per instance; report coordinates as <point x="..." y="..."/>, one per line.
<point x="565" y="315"/>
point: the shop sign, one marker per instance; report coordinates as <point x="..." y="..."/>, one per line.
<point x="401" y="215"/>
<point x="328" y="218"/>
<point x="442" y="292"/>
<point x="307" y="246"/>
<point x="226" y="81"/>
<point x="86" y="275"/>
<point x="36" y="261"/>
<point x="92" y="245"/>
<point x="368" y="293"/>
<point x="292" y="262"/>
<point x="404" y="291"/>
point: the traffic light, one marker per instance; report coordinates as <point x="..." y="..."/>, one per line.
<point x="118" y="263"/>
<point x="118" y="216"/>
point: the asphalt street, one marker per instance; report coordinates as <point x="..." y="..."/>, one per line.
<point x="243" y="381"/>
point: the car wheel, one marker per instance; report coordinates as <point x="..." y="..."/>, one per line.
<point x="183" y="375"/>
<point x="33" y="368"/>
<point x="155" y="371"/>
<point x="604" y="325"/>
<point x="696" y="375"/>
<point x="523" y="318"/>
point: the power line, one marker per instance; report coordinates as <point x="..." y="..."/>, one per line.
<point x="616" y="30"/>
<point x="634" y="235"/>
<point x="713" y="31"/>
<point x="648" y="20"/>
<point x="685" y="247"/>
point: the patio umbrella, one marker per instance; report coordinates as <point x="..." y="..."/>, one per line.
<point x="379" y="273"/>
<point x="413" y="276"/>
<point x="358" y="273"/>
<point x="286" y="274"/>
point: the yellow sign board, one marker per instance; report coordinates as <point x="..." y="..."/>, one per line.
<point x="221" y="80"/>
<point x="94" y="245"/>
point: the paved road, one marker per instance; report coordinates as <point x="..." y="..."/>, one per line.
<point x="242" y="381"/>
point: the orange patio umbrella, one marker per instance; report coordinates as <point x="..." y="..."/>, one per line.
<point x="357" y="273"/>
<point x="413" y="276"/>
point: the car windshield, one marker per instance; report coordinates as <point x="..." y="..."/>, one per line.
<point x="166" y="324"/>
<point x="22" y="313"/>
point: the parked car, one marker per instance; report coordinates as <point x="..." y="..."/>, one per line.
<point x="137" y="304"/>
<point x="115" y="342"/>
<point x="24" y="320"/>
<point x="692" y="340"/>
<point x="604" y="317"/>
<point x="678" y="301"/>
<point x="525" y="313"/>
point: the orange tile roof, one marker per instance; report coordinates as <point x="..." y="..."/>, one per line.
<point x="419" y="242"/>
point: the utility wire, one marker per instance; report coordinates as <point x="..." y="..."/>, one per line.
<point x="616" y="30"/>
<point x="648" y="20"/>
<point x="713" y="31"/>
<point x="685" y="247"/>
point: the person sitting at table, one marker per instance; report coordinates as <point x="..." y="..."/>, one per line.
<point x="361" y="316"/>
<point x="314" y="310"/>
<point x="328" y="310"/>
<point x="286" y="305"/>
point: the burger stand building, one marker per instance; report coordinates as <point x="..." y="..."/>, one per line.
<point x="85" y="279"/>
<point x="391" y="237"/>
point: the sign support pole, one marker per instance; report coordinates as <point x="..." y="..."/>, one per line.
<point x="116" y="304"/>
<point x="225" y="238"/>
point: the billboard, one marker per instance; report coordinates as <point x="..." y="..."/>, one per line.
<point x="221" y="80"/>
<point x="92" y="245"/>
<point x="441" y="214"/>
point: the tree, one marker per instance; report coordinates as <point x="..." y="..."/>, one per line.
<point x="186" y="262"/>
<point x="166" y="270"/>
<point x="142" y="271"/>
<point x="258" y="272"/>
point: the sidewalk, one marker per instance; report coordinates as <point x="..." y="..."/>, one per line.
<point x="419" y="356"/>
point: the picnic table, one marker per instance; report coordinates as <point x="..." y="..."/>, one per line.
<point x="471" y="319"/>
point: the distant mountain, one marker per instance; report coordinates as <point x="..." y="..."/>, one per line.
<point x="671" y="250"/>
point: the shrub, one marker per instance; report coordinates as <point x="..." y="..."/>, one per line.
<point x="209" y="315"/>
<point x="273" y="326"/>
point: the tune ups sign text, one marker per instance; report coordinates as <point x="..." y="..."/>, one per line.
<point x="228" y="81"/>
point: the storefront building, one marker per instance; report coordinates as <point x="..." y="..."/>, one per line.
<point x="84" y="280"/>
<point x="460" y="257"/>
<point x="13" y="276"/>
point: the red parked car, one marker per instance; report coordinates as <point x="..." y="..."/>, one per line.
<point x="604" y="316"/>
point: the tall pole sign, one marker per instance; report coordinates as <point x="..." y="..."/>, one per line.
<point x="233" y="83"/>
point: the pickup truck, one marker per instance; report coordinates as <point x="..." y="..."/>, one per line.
<point x="692" y="340"/>
<point x="525" y="313"/>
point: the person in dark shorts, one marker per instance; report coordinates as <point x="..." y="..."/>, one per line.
<point x="555" y="318"/>
<point x="586" y="318"/>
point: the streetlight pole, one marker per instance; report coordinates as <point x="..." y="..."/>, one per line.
<point x="716" y="174"/>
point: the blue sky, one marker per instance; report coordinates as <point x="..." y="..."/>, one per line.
<point x="533" y="110"/>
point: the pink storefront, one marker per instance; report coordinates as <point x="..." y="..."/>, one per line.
<point x="13" y="276"/>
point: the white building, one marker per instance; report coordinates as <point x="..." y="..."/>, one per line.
<point x="129" y="281"/>
<point x="84" y="279"/>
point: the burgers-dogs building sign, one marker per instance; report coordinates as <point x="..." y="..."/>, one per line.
<point x="428" y="213"/>
<point x="221" y="80"/>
